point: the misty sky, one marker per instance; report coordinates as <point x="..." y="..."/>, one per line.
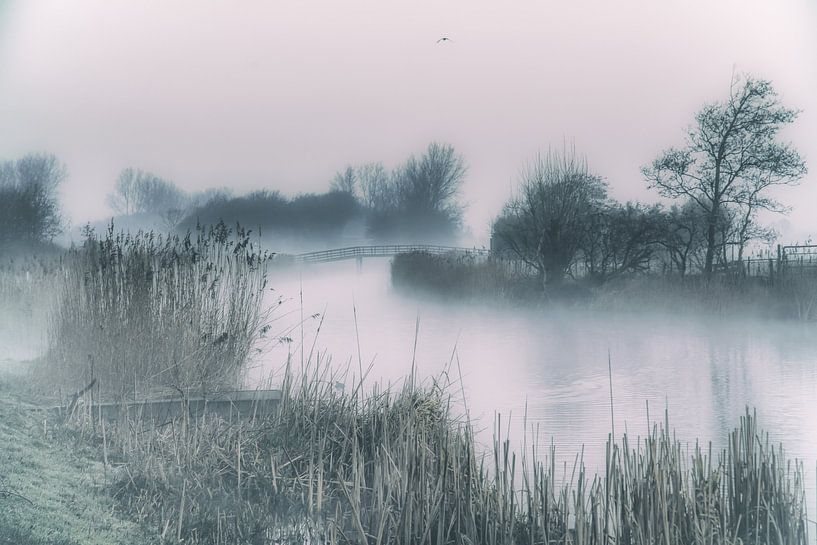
<point x="282" y="94"/>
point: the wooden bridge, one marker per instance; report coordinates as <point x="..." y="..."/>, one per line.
<point x="359" y="252"/>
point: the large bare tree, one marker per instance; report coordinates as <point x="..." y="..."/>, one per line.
<point x="419" y="199"/>
<point x="432" y="182"/>
<point x="731" y="158"/>
<point x="545" y="223"/>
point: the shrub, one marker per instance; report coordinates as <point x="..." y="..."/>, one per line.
<point x="463" y="275"/>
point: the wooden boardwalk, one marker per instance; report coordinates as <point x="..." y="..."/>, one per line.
<point x="235" y="405"/>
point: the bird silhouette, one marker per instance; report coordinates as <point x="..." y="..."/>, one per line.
<point x="445" y="39"/>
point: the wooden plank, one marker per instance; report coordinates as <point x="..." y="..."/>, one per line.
<point x="235" y="405"/>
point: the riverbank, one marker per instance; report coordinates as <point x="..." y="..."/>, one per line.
<point x="53" y="490"/>
<point x="391" y="466"/>
<point x="498" y="281"/>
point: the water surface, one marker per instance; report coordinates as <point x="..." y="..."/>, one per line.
<point x="552" y="365"/>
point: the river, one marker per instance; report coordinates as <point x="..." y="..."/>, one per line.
<point x="550" y="367"/>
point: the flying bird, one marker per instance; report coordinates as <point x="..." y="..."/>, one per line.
<point x="445" y="39"/>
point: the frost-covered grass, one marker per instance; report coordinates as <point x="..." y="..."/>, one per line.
<point x="53" y="490"/>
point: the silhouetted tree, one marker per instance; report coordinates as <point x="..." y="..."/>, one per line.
<point x="432" y="182"/>
<point x="620" y="239"/>
<point x="29" y="205"/>
<point x="731" y="157"/>
<point x="377" y="189"/>
<point x="546" y="223"/>
<point x="417" y="199"/>
<point x="683" y="235"/>
<point x="137" y="191"/>
<point x="345" y="181"/>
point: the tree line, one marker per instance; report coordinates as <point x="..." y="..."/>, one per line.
<point x="562" y="220"/>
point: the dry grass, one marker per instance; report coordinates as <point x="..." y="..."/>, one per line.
<point x="402" y="467"/>
<point x="52" y="492"/>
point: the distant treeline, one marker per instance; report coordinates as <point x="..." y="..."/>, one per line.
<point x="560" y="222"/>
<point x="416" y="201"/>
<point x="319" y="215"/>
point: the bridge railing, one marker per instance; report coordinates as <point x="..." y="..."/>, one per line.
<point x="351" y="252"/>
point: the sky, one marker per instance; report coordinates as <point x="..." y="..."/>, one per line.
<point x="281" y="94"/>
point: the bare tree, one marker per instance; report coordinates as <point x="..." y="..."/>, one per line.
<point x="432" y="182"/>
<point x="376" y="187"/>
<point x="683" y="235"/>
<point x="123" y="198"/>
<point x="545" y="224"/>
<point x="137" y="191"/>
<point x="417" y="199"/>
<point x="29" y="204"/>
<point x="345" y="181"/>
<point x="620" y="239"/>
<point x="731" y="153"/>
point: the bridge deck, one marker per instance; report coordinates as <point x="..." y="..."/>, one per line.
<point x="353" y="252"/>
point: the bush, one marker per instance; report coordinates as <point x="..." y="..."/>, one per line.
<point x="463" y="275"/>
<point x="29" y="209"/>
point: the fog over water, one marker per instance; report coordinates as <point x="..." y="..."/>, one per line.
<point x="554" y="363"/>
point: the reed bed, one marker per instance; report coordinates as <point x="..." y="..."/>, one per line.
<point x="146" y="312"/>
<point x="402" y="466"/>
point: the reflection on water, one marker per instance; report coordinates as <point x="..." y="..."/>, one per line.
<point x="705" y="371"/>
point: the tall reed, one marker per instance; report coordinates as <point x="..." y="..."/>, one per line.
<point x="146" y="311"/>
<point x="402" y="467"/>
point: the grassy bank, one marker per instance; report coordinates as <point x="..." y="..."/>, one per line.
<point x="54" y="490"/>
